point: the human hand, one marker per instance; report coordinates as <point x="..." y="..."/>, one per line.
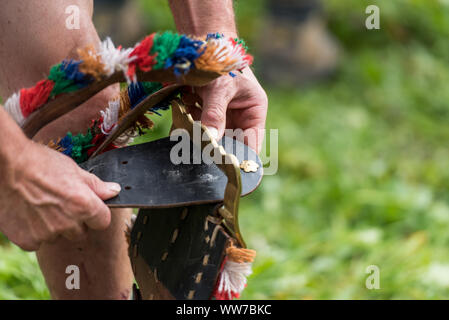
<point x="44" y="194"/>
<point x="234" y="103"/>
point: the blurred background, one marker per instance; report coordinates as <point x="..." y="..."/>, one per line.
<point x="363" y="156"/>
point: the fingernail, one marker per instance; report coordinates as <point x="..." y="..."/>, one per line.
<point x="114" y="187"/>
<point x="213" y="132"/>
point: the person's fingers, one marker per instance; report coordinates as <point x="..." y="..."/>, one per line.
<point x="104" y="190"/>
<point x="254" y="138"/>
<point x="100" y="215"/>
<point x="213" y="114"/>
<point x="252" y="121"/>
<point x="25" y="242"/>
<point x="29" y="246"/>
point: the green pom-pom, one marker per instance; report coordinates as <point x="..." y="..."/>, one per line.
<point x="165" y="44"/>
<point x="81" y="143"/>
<point x="242" y="42"/>
<point x="62" y="84"/>
<point x="151" y="87"/>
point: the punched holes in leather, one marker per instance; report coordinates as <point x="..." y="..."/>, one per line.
<point x="176" y="253"/>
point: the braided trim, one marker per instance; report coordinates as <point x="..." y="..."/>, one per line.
<point x="82" y="146"/>
<point x="166" y="50"/>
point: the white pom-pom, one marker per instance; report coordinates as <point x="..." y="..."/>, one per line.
<point x="114" y="59"/>
<point x="233" y="278"/>
<point x="12" y="106"/>
<point x="110" y="116"/>
<point x="225" y="48"/>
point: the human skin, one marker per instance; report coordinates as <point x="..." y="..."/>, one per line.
<point x="47" y="203"/>
<point x="228" y="102"/>
<point x="50" y="205"/>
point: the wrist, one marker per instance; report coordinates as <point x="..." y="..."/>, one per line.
<point x="202" y="33"/>
<point x="198" y="18"/>
<point x="226" y="34"/>
<point x="13" y="143"/>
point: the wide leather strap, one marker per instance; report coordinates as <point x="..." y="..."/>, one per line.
<point x="149" y="178"/>
<point x="176" y="253"/>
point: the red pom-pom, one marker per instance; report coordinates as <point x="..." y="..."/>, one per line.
<point x="249" y="58"/>
<point x="97" y="141"/>
<point x="143" y="59"/>
<point x="33" y="98"/>
<point x="223" y="295"/>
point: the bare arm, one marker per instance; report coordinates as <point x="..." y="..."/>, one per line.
<point x="12" y="142"/>
<point x="34" y="37"/>
<point x="203" y="17"/>
<point x="228" y="103"/>
<point x="43" y="193"/>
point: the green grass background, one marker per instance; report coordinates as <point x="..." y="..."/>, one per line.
<point x="363" y="165"/>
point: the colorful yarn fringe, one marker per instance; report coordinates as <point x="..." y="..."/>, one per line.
<point x="165" y="50"/>
<point x="235" y="268"/>
<point x="141" y="58"/>
<point x="80" y="147"/>
<point x="223" y="55"/>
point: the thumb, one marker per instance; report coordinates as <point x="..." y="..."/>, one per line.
<point x="213" y="115"/>
<point x="104" y="190"/>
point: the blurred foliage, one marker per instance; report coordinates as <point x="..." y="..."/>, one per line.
<point x="363" y="165"/>
<point x="249" y="16"/>
<point x="20" y="277"/>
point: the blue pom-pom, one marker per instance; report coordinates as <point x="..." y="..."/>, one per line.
<point x="214" y="36"/>
<point x="67" y="144"/>
<point x="136" y="93"/>
<point x="183" y="58"/>
<point x="71" y="70"/>
<point x="164" y="105"/>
